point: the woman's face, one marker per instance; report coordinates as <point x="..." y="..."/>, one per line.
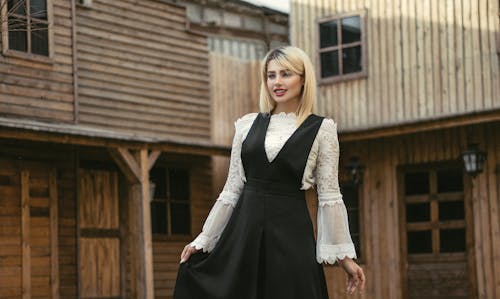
<point x="283" y="84"/>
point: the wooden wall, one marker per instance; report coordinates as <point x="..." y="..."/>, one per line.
<point x="40" y="168"/>
<point x="426" y="60"/>
<point x="380" y="239"/>
<point x="42" y="90"/>
<point x="140" y="71"/>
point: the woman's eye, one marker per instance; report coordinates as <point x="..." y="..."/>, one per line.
<point x="271" y="76"/>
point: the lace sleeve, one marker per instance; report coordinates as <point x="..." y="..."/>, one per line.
<point x="221" y="211"/>
<point x="334" y="240"/>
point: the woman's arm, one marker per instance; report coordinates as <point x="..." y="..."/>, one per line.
<point x="334" y="240"/>
<point x="221" y="211"/>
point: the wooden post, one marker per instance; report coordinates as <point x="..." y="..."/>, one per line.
<point x="25" y="228"/>
<point x="54" y="234"/>
<point x="136" y="169"/>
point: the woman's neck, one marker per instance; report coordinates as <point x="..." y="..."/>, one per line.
<point x="287" y="107"/>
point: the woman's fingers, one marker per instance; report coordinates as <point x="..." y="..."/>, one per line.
<point x="186" y="253"/>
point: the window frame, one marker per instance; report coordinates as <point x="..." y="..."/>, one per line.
<point x="364" y="60"/>
<point x="433" y="198"/>
<point x="7" y="52"/>
<point x="168" y="202"/>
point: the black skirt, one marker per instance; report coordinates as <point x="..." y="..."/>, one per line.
<point x="267" y="249"/>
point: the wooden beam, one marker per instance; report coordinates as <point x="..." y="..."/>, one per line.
<point x="127" y="163"/>
<point x="188" y="148"/>
<point x="25" y="230"/>
<point x="152" y="158"/>
<point x="420" y="126"/>
<point x="54" y="234"/>
<point x="146" y="247"/>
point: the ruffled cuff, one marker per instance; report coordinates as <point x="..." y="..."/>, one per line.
<point x="203" y="242"/>
<point x="332" y="253"/>
<point x="330" y="198"/>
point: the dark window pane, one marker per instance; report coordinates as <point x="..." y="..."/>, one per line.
<point x="350" y="196"/>
<point x="416" y="183"/>
<point x="351" y="30"/>
<point x="420" y="242"/>
<point x="17" y="34"/>
<point x="329" y="64"/>
<point x="38" y="9"/>
<point x="353" y="216"/>
<point x="16" y="7"/>
<point x="39" y="39"/>
<point x="450" y="181"/>
<point x="159" y="217"/>
<point x="357" y="244"/>
<point x="328" y="34"/>
<point x="452" y="240"/>
<point x="179" y="184"/>
<point x="418" y="212"/>
<point x="159" y="177"/>
<point x="451" y="210"/>
<point x="351" y="60"/>
<point x="181" y="220"/>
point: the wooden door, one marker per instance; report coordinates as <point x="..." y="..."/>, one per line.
<point x="434" y="233"/>
<point x="28" y="230"/>
<point x="99" y="241"/>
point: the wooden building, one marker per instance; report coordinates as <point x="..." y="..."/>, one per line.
<point x="97" y="99"/>
<point x="412" y="84"/>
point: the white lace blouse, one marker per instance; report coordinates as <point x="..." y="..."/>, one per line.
<point x="333" y="240"/>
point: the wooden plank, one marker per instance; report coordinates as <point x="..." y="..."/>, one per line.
<point x="98" y="199"/>
<point x="26" y="237"/>
<point x="127" y="163"/>
<point x="152" y="158"/>
<point x="459" y="58"/>
<point x="146" y="286"/>
<point x="436" y="59"/>
<point x="54" y="234"/>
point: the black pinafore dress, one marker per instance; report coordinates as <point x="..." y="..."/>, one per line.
<point x="267" y="249"/>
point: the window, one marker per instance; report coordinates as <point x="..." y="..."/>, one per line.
<point x="25" y="26"/>
<point x="435" y="212"/>
<point x="341" y="48"/>
<point x="350" y="194"/>
<point x="170" y="207"/>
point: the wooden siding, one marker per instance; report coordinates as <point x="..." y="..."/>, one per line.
<point x="41" y="89"/>
<point x="46" y="259"/>
<point x="426" y="60"/>
<point x="382" y="258"/>
<point x="140" y="71"/>
<point x="166" y="252"/>
<point x="231" y="99"/>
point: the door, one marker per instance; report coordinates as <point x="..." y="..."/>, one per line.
<point x="99" y="242"/>
<point x="28" y="230"/>
<point x="434" y="232"/>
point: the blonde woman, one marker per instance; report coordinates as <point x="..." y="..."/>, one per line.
<point x="258" y="240"/>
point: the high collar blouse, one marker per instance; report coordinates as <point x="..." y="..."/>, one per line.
<point x="333" y="240"/>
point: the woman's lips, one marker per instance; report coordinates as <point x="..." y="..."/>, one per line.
<point x="279" y="92"/>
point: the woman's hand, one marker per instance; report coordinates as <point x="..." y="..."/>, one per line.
<point x="355" y="275"/>
<point x="187" y="252"/>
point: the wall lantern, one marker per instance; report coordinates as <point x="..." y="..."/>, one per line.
<point x="356" y="170"/>
<point x="473" y="160"/>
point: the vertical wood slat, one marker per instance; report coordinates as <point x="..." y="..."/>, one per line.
<point x="26" y="239"/>
<point x="146" y="247"/>
<point x="54" y="233"/>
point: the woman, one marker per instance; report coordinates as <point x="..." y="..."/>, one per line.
<point x="258" y="240"/>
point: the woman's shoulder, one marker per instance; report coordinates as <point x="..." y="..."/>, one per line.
<point x="245" y="121"/>
<point x="328" y="128"/>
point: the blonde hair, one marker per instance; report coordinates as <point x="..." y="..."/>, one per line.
<point x="298" y="62"/>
